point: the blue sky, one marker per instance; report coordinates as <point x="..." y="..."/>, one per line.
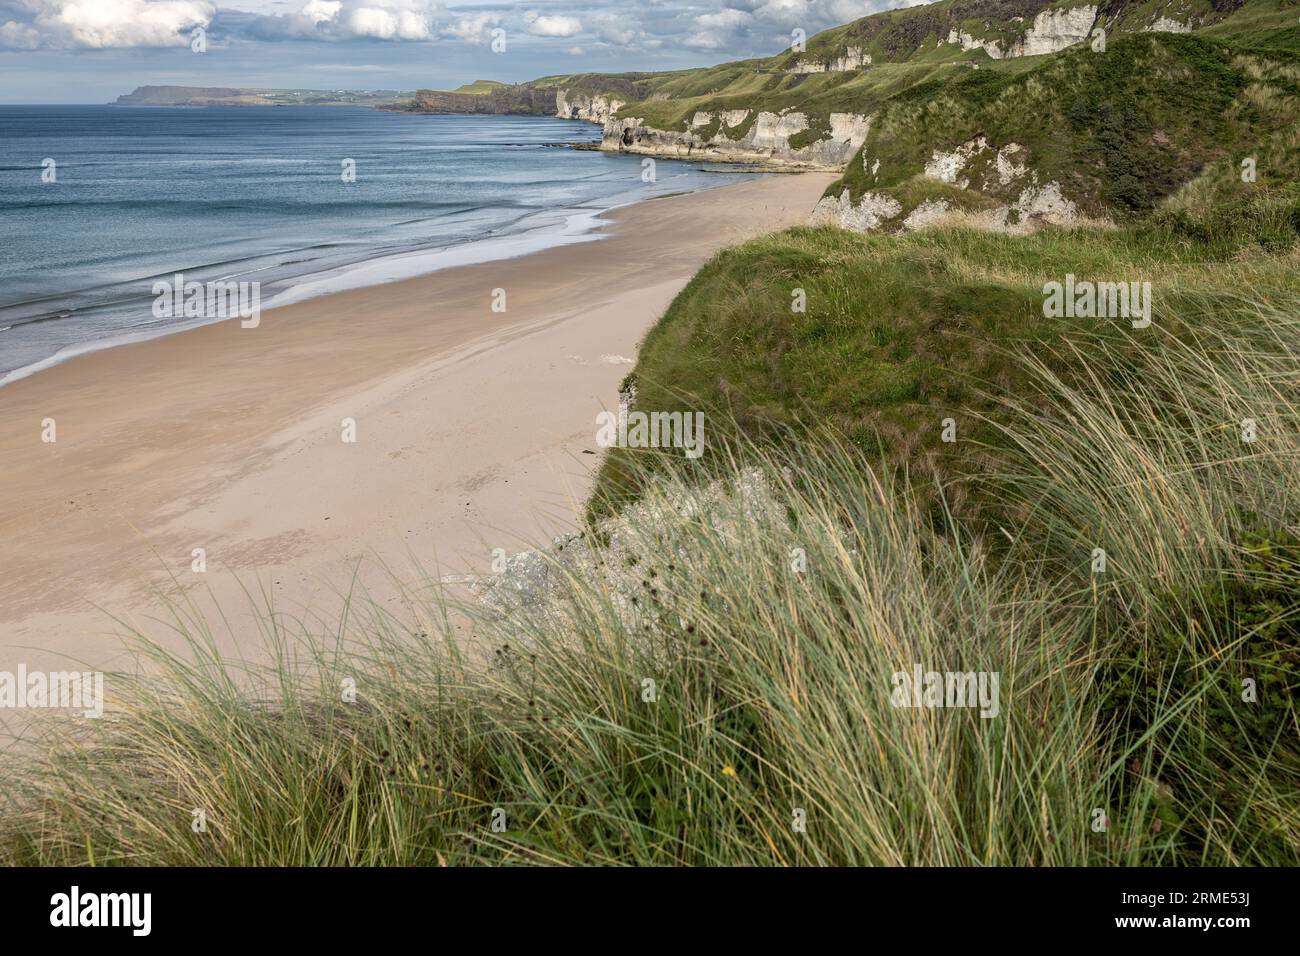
<point x="89" y="51"/>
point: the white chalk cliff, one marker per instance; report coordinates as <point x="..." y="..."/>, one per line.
<point x="767" y="139"/>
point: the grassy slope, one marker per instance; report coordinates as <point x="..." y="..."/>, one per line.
<point x="480" y="86"/>
<point x="901" y="332"/>
<point x="1119" y="130"/>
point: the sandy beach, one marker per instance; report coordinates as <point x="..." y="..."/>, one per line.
<point x="474" y="431"/>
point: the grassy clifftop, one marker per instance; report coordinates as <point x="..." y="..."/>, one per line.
<point x="898" y="332"/>
<point x="1119" y="131"/>
<point x="854" y="67"/>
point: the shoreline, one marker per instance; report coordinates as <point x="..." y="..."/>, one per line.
<point x="475" y="431"/>
<point x="576" y="225"/>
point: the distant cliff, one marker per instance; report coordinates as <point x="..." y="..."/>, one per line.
<point x="523" y="99"/>
<point x="236" y="96"/>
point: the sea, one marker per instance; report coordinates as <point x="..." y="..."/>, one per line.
<point x="99" y="203"/>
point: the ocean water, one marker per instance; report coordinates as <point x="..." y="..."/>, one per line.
<point x="257" y="194"/>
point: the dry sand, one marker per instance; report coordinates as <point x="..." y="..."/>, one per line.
<point x="473" y="429"/>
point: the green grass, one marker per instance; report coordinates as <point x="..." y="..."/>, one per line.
<point x="1120" y="131"/>
<point x="479" y="86"/>
<point x="900" y="332"/>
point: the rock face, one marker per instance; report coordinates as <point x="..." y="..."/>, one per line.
<point x="518" y="100"/>
<point x="853" y="58"/>
<point x="1006" y="195"/>
<point x="870" y="212"/>
<point x="593" y="109"/>
<point x="723" y="136"/>
<point x="1166" y="25"/>
<point x="1052" y="30"/>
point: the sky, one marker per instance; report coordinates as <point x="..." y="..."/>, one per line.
<point x="89" y="51"/>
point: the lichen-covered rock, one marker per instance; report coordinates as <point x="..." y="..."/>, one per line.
<point x="622" y="556"/>
<point x="867" y="214"/>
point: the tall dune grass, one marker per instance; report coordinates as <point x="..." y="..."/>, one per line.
<point x="770" y="611"/>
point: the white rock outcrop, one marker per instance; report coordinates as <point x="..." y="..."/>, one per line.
<point x="1166" y="25"/>
<point x="1054" y="30"/>
<point x="928" y="213"/>
<point x="851" y="59"/>
<point x="628" y="553"/>
<point x="766" y="140"/>
<point x="593" y="109"/>
<point x="868" y="214"/>
<point x="1051" y="31"/>
<point x="947" y="167"/>
<point x="968" y="42"/>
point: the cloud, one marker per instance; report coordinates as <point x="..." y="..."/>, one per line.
<point x="335" y="20"/>
<point x="704" y="41"/>
<point x="548" y="26"/>
<point x="321" y="11"/>
<point x="617" y="30"/>
<point x="383" y="22"/>
<point x="725" y="19"/>
<point x="103" y="24"/>
<point x="472" y="28"/>
<point x="722" y="28"/>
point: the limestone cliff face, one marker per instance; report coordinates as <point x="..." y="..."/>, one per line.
<point x="594" y="109"/>
<point x="1054" y="30"/>
<point x="853" y="58"/>
<point x="1050" y="31"/>
<point x="778" y="139"/>
<point x="1006" y="195"/>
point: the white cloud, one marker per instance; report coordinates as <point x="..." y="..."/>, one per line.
<point x="474" y="28"/>
<point x="372" y="19"/>
<point x="704" y="41"/>
<point x="321" y="11"/>
<point x="19" y="36"/>
<point x="384" y="23"/>
<point x="722" y="28"/>
<point x="725" y="20"/>
<point x="616" y="30"/>
<point x="548" y="26"/>
<point x="105" y="24"/>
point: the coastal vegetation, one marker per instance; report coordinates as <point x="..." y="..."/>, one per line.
<point x="911" y="468"/>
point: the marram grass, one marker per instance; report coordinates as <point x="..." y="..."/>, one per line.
<point x="719" y="691"/>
